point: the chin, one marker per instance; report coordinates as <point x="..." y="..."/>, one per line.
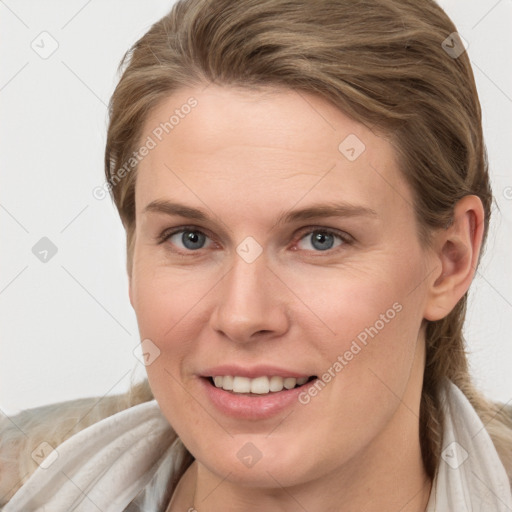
<point x="254" y="461"/>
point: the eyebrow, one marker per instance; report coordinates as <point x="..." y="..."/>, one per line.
<point x="313" y="211"/>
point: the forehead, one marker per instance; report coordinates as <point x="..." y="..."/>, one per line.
<point x="276" y="147"/>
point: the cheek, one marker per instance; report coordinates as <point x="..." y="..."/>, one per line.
<point x="170" y="305"/>
<point x="164" y="300"/>
<point x="345" y="302"/>
<point x="370" y="319"/>
<point x="166" y="306"/>
<point x="369" y="360"/>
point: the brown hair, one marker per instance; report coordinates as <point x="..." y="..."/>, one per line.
<point x="383" y="63"/>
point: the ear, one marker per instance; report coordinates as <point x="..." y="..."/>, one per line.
<point x="456" y="253"/>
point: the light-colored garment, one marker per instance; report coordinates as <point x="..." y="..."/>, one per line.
<point x="471" y="477"/>
<point x="108" y="465"/>
<point x="101" y="468"/>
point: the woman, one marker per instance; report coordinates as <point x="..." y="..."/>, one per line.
<point x="305" y="194"/>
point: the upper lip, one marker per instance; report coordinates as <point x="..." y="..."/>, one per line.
<point x="252" y="372"/>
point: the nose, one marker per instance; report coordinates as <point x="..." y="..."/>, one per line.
<point x="249" y="303"/>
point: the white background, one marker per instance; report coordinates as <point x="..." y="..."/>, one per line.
<point x="67" y="327"/>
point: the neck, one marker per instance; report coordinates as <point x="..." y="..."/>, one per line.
<point x="388" y="476"/>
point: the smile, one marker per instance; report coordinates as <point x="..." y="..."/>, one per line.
<point x="259" y="385"/>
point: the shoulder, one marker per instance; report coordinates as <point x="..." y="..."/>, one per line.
<point x="25" y="435"/>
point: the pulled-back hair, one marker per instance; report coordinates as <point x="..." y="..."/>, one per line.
<point x="384" y="63"/>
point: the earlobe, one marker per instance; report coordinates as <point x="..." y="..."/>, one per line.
<point x="457" y="250"/>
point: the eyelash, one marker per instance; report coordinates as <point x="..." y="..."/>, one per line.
<point x="344" y="237"/>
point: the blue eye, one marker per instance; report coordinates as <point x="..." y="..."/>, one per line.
<point x="322" y="240"/>
<point x="190" y="239"/>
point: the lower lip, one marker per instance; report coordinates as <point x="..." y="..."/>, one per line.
<point x="251" y="407"/>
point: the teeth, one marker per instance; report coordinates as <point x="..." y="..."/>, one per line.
<point x="259" y="385"/>
<point x="276" y="384"/>
<point x="289" y="382"/>
<point x="241" y="385"/>
<point x="226" y="383"/>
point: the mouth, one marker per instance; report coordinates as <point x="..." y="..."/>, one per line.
<point x="258" y="386"/>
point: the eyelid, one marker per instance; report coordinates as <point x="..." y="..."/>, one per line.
<point x="324" y="229"/>
<point x="167" y="233"/>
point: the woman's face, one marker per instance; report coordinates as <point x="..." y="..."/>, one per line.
<point x="276" y="240"/>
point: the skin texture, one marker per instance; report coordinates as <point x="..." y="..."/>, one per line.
<point x="246" y="157"/>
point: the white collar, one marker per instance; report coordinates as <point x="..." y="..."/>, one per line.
<point x="102" y="467"/>
<point x="109" y="464"/>
<point x="471" y="476"/>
